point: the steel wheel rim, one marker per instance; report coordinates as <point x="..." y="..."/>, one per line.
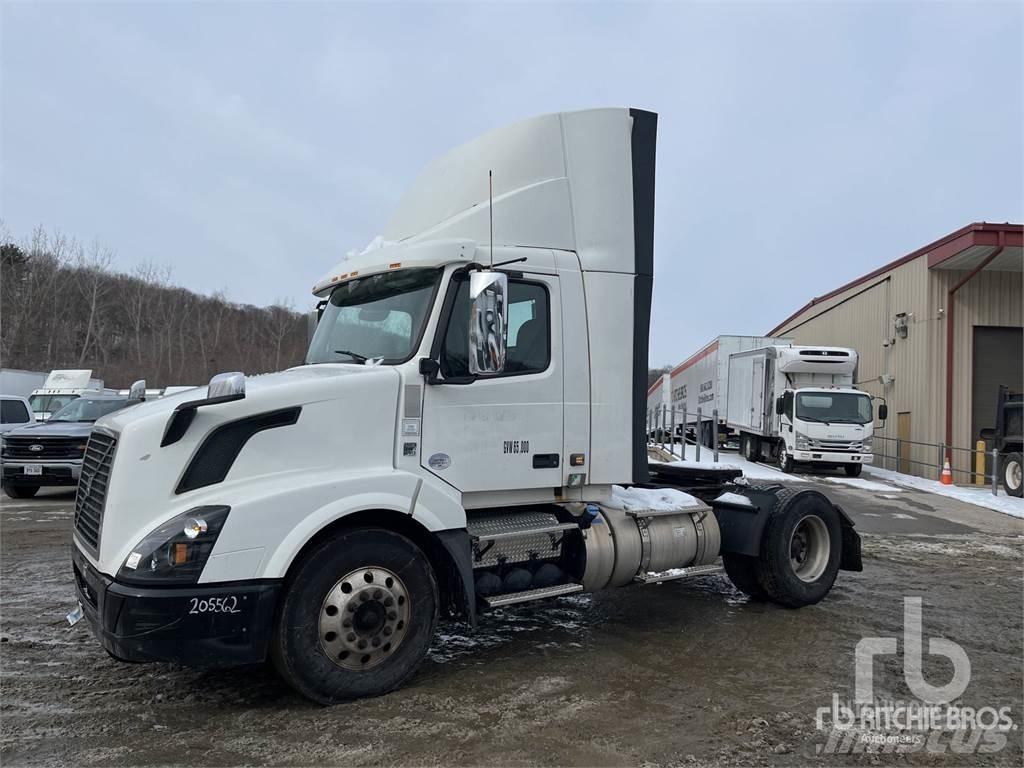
<point x="364" y="618"/>
<point x="1013" y="474"/>
<point x="809" y="548"/>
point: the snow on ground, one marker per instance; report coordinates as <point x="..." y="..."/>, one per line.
<point x="859" y="482"/>
<point x="751" y="470"/>
<point x="980" y="495"/>
<point x="654" y="499"/>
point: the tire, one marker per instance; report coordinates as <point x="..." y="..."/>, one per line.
<point x="743" y="572"/>
<point x="785" y="460"/>
<point x="749" y="448"/>
<point x="1011" y="473"/>
<point x="20" y="491"/>
<point x="853" y="470"/>
<point x="351" y="577"/>
<point x="791" y="580"/>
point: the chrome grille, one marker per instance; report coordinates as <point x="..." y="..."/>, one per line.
<point x="848" y="446"/>
<point x="92" y="488"/>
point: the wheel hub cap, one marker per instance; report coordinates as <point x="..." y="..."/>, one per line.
<point x="364" y="618"/>
<point x="809" y="548"/>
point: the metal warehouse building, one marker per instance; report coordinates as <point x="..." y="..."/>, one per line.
<point x="938" y="331"/>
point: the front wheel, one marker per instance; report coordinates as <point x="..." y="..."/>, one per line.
<point x="20" y="491"/>
<point x="853" y="470"/>
<point x="357" y="617"/>
<point x="1012" y="482"/>
<point x="785" y="460"/>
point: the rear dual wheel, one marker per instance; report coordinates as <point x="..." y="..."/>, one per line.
<point x="801" y="547"/>
<point x="357" y="616"/>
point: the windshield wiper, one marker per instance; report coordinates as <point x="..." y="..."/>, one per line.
<point x="812" y="418"/>
<point x="354" y="355"/>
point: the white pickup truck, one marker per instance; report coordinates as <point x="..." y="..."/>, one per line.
<point x="467" y="432"/>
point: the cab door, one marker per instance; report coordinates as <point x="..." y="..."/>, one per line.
<point x="501" y="432"/>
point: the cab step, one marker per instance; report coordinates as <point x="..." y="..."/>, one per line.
<point x="653" y="577"/>
<point x="510" y="598"/>
<point x="513" y="526"/>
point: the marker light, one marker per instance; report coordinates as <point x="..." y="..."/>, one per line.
<point x="195" y="526"/>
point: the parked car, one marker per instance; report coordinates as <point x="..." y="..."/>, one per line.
<point x="14" y="412"/>
<point x="50" y="453"/>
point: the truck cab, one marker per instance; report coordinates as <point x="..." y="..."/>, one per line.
<point x="460" y="437"/>
<point x="60" y="389"/>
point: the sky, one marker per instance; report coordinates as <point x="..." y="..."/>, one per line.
<point x="249" y="146"/>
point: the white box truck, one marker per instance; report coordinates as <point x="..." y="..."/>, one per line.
<point x="701" y="382"/>
<point x="20" y="383"/>
<point x="467" y="432"/>
<point x="798" y="404"/>
<point x="60" y="388"/>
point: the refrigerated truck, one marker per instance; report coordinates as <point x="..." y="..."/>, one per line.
<point x="61" y="387"/>
<point x="701" y="381"/>
<point x="466" y="433"/>
<point x="798" y="404"/>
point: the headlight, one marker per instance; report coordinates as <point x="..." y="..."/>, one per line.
<point x="176" y="551"/>
<point x="803" y="443"/>
<point x="866" y="446"/>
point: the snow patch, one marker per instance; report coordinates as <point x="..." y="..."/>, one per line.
<point x="750" y="469"/>
<point x="735" y="498"/>
<point x="980" y="496"/>
<point x="653" y="499"/>
<point x="858" y="482"/>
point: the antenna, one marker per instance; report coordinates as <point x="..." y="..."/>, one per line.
<point x="490" y="209"/>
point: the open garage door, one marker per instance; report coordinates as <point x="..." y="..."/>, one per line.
<point x="998" y="359"/>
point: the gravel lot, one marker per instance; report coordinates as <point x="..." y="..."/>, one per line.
<point x="656" y="675"/>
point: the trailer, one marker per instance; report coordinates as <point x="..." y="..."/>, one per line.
<point x="658" y="404"/>
<point x="700" y="383"/>
<point x="466" y="433"/>
<point x="793" y="404"/>
<point x="19" y="383"/>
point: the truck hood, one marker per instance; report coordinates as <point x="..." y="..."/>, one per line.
<point x="50" y="429"/>
<point x="144" y="487"/>
<point x="295" y="386"/>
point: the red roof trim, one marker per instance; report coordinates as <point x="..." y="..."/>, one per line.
<point x="944" y="248"/>
<point x="708" y="349"/>
<point x="656" y="384"/>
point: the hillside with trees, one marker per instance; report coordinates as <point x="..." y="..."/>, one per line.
<point x="62" y="305"/>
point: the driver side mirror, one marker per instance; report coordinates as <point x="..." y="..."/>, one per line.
<point x="488" y="292"/>
<point x="780" y="405"/>
<point x="883" y="412"/>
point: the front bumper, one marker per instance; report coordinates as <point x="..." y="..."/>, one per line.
<point x="53" y="472"/>
<point x="833" y="457"/>
<point x="199" y="625"/>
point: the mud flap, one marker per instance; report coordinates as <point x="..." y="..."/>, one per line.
<point x="850" y="558"/>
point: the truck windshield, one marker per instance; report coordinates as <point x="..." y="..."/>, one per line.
<point x="834" y="407"/>
<point x="379" y="316"/>
<point x="49" y="403"/>
<point x="88" y="409"/>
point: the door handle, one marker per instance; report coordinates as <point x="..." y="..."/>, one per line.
<point x="545" y="461"/>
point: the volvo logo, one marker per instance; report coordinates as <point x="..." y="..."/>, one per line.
<point x="36" y="447"/>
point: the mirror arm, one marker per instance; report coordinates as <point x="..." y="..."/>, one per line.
<point x="429" y="368"/>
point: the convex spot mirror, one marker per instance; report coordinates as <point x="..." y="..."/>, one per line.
<point x="137" y="391"/>
<point x="488" y="331"/>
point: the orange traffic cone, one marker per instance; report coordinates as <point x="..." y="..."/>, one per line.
<point x="947" y="474"/>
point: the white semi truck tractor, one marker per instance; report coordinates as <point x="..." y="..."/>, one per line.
<point x="797" y="404"/>
<point x="467" y="432"/>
